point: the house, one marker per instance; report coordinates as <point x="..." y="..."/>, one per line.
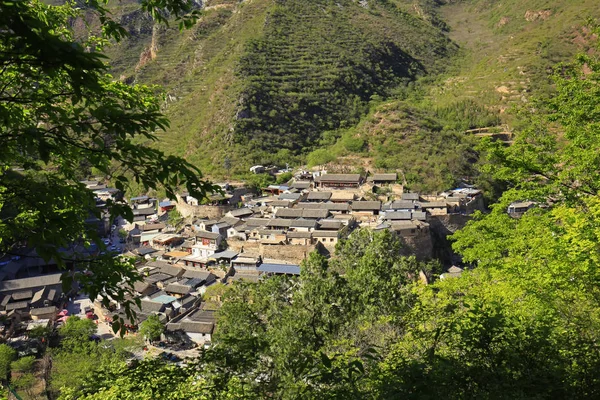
<point x="276" y="204"/>
<point x="409" y="228"/>
<point x="332" y="208"/>
<point x="257" y="169"/>
<point x="197" y="325"/>
<point x="239" y="232"/>
<point x="338" y="181"/>
<point x="142" y="214"/>
<point x="166" y="205"/>
<point x="301" y="185"/>
<point x="400" y="205"/>
<point x="303" y="225"/>
<point x="240" y="213"/>
<point x="246" y="262"/>
<point x="223" y="257"/>
<point x="366" y="208"/>
<point x="271" y="236"/>
<point x="326" y="238"/>
<point x="220" y="228"/>
<point x="93" y="185"/>
<point x="108" y="194"/>
<point x="207" y="244"/>
<point x="165" y="241"/>
<point x="435" y="207"/>
<point x="278" y="269"/>
<point x="384" y="179"/>
<point x="342" y="196"/>
<point x="299" y="238"/>
<point x="330" y="225"/>
<point x="178" y="289"/>
<point x="518" y="208"/>
<point x="318" y="196"/>
<point x="164" y="268"/>
<point x="276" y="189"/>
<point x="397" y="216"/>
<point x="410" y="196"/>
<point x="292" y="197"/>
<point x="50" y="281"/>
<point x="289" y="213"/>
<point x="42" y="313"/>
<point x="278" y="223"/>
<point x="419" y="215"/>
<point x="204" y="224"/>
<point x="453" y="272"/>
<point x="144" y="288"/>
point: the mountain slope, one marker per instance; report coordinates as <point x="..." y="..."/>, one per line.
<point x="262" y="77"/>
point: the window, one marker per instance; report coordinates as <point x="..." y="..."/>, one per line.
<point x="412" y="231"/>
<point x="331" y="240"/>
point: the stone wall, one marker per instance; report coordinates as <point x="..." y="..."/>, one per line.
<point x="420" y="246"/>
<point x="210" y="212"/>
<point x="290" y="253"/>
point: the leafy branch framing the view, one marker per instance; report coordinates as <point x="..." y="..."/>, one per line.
<point x="65" y="118"/>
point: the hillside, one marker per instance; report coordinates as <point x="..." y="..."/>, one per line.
<point x="507" y="51"/>
<point x="256" y="78"/>
<point x="262" y="81"/>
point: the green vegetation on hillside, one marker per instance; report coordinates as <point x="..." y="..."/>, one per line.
<point x="254" y="79"/>
<point x="320" y="62"/>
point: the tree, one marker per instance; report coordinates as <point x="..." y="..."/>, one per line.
<point x="319" y="157"/>
<point x="7" y="355"/>
<point x="122" y="233"/>
<point x="175" y="218"/>
<point x="23" y="364"/>
<point x="63" y="116"/>
<point x="284" y="178"/>
<point x="78" y="329"/>
<point x="258" y="182"/>
<point x="151" y="329"/>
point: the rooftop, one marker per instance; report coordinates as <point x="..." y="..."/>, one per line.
<point x="288" y="269"/>
<point x="342" y="178"/>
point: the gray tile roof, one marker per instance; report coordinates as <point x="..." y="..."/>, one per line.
<point x="30" y="283"/>
<point x="410" y="196"/>
<point x="303" y="223"/>
<point x="342" y="178"/>
<point x="207" y="235"/>
<point x="397" y="215"/>
<point x="366" y="205"/>
<point x="319" y="233"/>
<point x="279" y="223"/>
<point x="320" y="196"/>
<point x="386" y="177"/>
<point x="43" y="310"/>
<point x="299" y="235"/>
<point x="288" y="213"/>
<point x="178" y="288"/>
<point x="330" y="224"/>
<point x="241" y="212"/>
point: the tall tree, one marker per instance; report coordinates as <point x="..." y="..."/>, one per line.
<point x="62" y="115"/>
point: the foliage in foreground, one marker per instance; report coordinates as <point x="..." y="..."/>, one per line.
<point x="524" y="324"/>
<point x="65" y="119"/>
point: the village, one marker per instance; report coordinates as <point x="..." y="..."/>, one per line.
<point x="237" y="235"/>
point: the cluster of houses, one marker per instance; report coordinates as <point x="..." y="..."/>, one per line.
<point x="246" y="237"/>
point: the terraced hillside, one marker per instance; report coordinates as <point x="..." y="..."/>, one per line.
<point x="319" y="63"/>
<point x="261" y="80"/>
